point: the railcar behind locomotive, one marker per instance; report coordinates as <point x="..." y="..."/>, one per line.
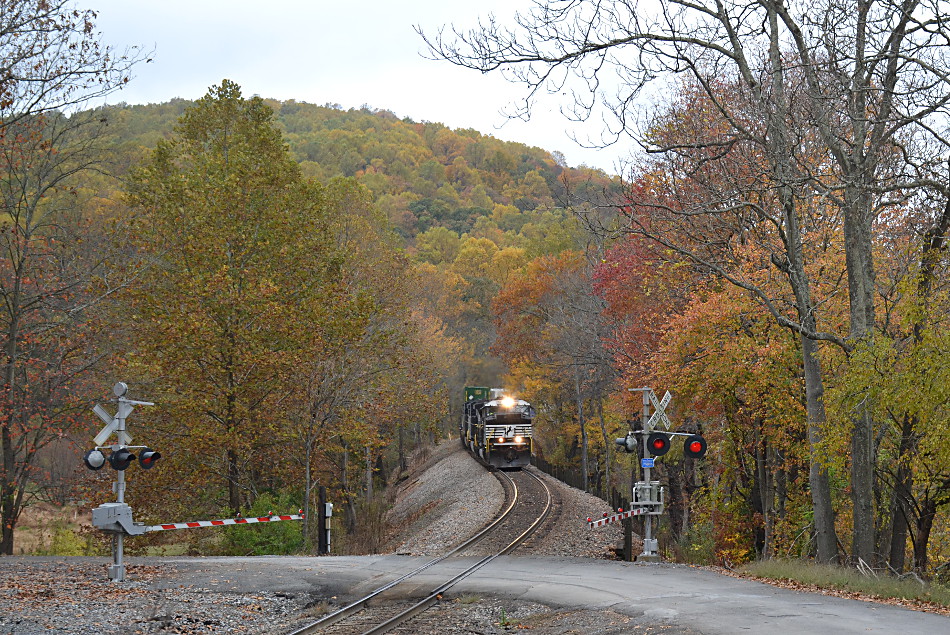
<point x="496" y="428"/>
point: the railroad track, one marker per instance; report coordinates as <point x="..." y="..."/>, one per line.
<point x="529" y="503"/>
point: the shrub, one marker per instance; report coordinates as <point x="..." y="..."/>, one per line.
<point x="67" y="542"/>
<point x="262" y="539"/>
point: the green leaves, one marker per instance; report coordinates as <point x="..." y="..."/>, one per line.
<point x="242" y="284"/>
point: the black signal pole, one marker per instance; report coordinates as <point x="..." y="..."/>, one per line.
<point x="322" y="547"/>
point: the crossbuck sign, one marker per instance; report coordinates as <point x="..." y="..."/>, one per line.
<point x="659" y="411"/>
<point x="116" y="423"/>
<point x="112" y="423"/>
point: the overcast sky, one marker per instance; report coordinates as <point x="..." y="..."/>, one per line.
<point x="328" y="51"/>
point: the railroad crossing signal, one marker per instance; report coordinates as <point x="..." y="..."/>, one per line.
<point x="648" y="495"/>
<point x="116" y="517"/>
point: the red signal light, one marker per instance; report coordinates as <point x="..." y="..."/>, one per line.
<point x="694" y="447"/>
<point x="148" y="457"/>
<point x="658" y="443"/>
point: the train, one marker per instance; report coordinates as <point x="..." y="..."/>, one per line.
<point x="497" y="428"/>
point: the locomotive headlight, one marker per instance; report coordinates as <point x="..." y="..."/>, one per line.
<point x="519" y="439"/>
<point x="501" y="439"/>
<point x="507" y="402"/>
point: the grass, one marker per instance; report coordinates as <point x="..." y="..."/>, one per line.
<point x="881" y="586"/>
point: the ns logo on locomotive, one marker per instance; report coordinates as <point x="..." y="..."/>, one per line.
<point x="496" y="428"/>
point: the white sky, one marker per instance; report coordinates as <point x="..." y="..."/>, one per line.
<point x="333" y="51"/>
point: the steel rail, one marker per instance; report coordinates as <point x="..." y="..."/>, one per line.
<point x="357" y="606"/>
<point x="435" y="595"/>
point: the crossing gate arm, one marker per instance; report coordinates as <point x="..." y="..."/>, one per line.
<point x="600" y="522"/>
<point x="224" y="521"/>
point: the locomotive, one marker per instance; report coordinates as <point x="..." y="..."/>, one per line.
<point x="496" y="428"/>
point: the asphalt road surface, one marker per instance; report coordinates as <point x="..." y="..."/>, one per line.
<point x="676" y="597"/>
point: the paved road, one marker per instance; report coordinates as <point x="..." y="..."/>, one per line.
<point x="678" y="597"/>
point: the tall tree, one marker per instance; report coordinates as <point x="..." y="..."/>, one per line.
<point x="51" y="59"/>
<point x="242" y="262"/>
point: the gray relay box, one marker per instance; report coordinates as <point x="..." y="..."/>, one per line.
<point x="117" y="518"/>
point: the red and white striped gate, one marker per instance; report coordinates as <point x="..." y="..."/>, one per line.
<point x="225" y="521"/>
<point x="619" y="516"/>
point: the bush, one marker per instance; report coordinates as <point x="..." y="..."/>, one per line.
<point x="697" y="545"/>
<point x="264" y="539"/>
<point x="66" y="542"/>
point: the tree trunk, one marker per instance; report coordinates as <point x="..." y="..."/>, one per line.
<point x="794" y="268"/>
<point x="402" y="449"/>
<point x="307" y="490"/>
<point x="583" y="424"/>
<point x="901" y="497"/>
<point x="369" y="474"/>
<point x="763" y="493"/>
<point x="934" y="242"/>
<point x="859" y="262"/>
<point x="234" y="492"/>
<point x="9" y="509"/>
<point x="820" y="485"/>
<point x="608" y="445"/>
<point x="925" y="523"/>
<point x="7" y="492"/>
<point x="676" y="502"/>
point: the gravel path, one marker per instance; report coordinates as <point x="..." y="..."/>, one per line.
<point x="436" y="507"/>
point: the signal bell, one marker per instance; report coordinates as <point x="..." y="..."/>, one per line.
<point x="94" y="459"/>
<point x="628" y="443"/>
<point x="148" y="457"/>
<point x="658" y="443"/>
<point x="121" y="459"/>
<point x="694" y="447"/>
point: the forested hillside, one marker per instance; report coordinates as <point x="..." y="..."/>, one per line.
<point x="421" y="175"/>
<point x="467" y="209"/>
